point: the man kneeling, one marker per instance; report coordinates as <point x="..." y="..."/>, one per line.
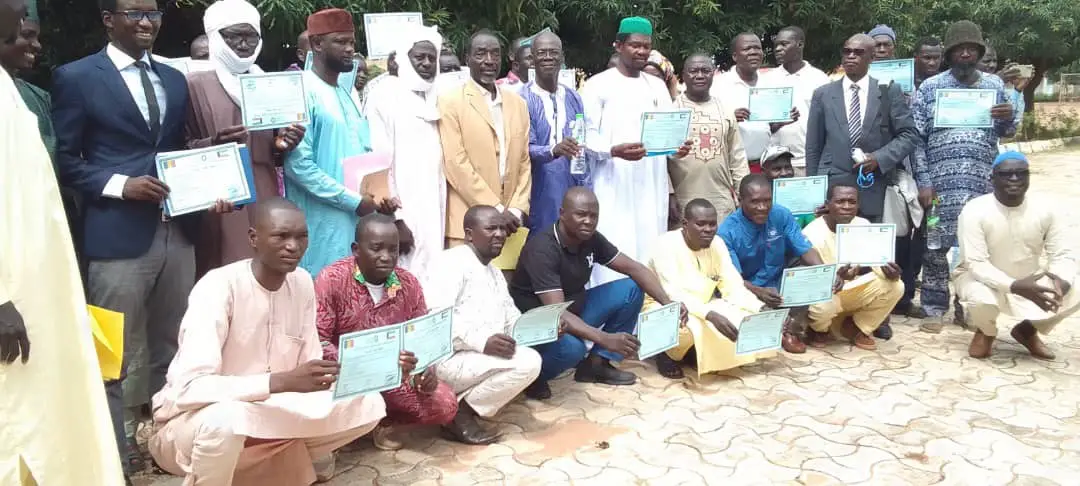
<point x="868" y="294"/>
<point x="488" y="369"/>
<point x="246" y="396"/>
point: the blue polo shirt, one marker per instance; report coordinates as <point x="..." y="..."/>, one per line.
<point x="759" y="251"/>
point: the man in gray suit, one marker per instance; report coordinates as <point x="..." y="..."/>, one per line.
<point x="859" y="131"/>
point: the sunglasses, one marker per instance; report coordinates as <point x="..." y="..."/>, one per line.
<point x="139" y="15"/>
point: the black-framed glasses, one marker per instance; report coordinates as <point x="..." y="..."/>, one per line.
<point x="139" y="15"/>
<point x="251" y="38"/>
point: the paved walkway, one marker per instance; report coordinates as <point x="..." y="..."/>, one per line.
<point x="917" y="411"/>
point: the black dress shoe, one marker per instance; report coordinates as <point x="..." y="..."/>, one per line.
<point x="884" y="331"/>
<point x="538" y="390"/>
<point x="599" y="370"/>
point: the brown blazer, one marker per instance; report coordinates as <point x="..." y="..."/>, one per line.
<point x="471" y="153"/>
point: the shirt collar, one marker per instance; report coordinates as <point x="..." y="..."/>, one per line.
<point x="863" y="84"/>
<point x="539" y="90"/>
<point x="392" y="284"/>
<point x="122" y="60"/>
<point x="487" y="97"/>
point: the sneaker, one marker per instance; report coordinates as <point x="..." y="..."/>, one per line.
<point x="382" y="437"/>
<point x="324" y="468"/>
<point x="598" y="370"/>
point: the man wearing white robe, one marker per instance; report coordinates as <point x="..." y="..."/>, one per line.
<point x="404" y="119"/>
<point x="625" y="179"/>
<point x="247" y="398"/>
<point x="54" y="425"/>
<point x="488" y="369"/>
<point x="999" y="278"/>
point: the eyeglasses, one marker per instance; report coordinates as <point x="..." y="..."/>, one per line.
<point x="700" y="70"/>
<point x="139" y="15"/>
<point x="1009" y="174"/>
<point x="858" y="52"/>
<point x="251" y="38"/>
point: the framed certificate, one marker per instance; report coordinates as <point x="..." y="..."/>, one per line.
<point x="801" y="286"/>
<point x="800" y="195"/>
<point x="429" y="337"/>
<point x="899" y="71"/>
<point x="761" y="332"/>
<point x="964" y="108"/>
<point x="658" y="330"/>
<point x="663" y="132"/>
<point x="369" y="361"/>
<point x="770" y="104"/>
<point x="868" y="245"/>
<point x="273" y="100"/>
<point x="198" y="178"/>
<point x="381" y="31"/>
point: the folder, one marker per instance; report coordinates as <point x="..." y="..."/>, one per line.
<point x="508" y="259"/>
<point x="108" y="329"/>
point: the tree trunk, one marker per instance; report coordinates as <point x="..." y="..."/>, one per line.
<point x="1041" y="67"/>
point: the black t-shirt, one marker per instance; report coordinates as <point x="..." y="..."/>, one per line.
<point x="546" y="265"/>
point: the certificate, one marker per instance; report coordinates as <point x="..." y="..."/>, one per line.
<point x="964" y="108"/>
<point x="899" y="71"/>
<point x="770" y="104"/>
<point x="382" y="32"/>
<point x="539" y="325"/>
<point x="179" y="64"/>
<point x="198" y="178"/>
<point x="430" y="338"/>
<point x="868" y="245"/>
<point x="807" y="285"/>
<point x="663" y="132"/>
<point x="800" y="195"/>
<point x="369" y="361"/>
<point x="273" y="100"/>
<point x="760" y="332"/>
<point x="658" y="330"/>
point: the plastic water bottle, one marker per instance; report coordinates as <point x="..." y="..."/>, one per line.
<point x="934" y="234"/>
<point x="577" y="130"/>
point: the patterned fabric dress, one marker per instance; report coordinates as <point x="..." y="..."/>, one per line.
<point x="958" y="161"/>
<point x="345" y="305"/>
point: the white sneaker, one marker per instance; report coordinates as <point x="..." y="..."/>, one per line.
<point x="382" y="437"/>
<point x="324" y="468"/>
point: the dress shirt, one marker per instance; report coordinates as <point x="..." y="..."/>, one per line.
<point x="554" y="110"/>
<point x="496" y="108"/>
<point x="805" y="81"/>
<point x="129" y="72"/>
<point x="864" y="85"/>
<point x="734" y="93"/>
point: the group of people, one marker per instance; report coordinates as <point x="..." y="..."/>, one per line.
<point x="232" y="316"/>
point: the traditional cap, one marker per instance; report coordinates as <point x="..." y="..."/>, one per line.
<point x="330" y="20"/>
<point x="1010" y="155"/>
<point x="32" y="11"/>
<point x="964" y="32"/>
<point x="774" y="152"/>
<point x="635" y="25"/>
<point x="882" y="29"/>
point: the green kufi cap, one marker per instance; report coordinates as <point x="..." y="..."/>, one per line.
<point x="635" y="25"/>
<point x="32" y="11"/>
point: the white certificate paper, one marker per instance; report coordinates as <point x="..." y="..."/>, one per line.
<point x="369" y="361"/>
<point x="198" y="178"/>
<point x="382" y="31"/>
<point x="663" y="132"/>
<point x="430" y="338"/>
<point x="273" y="100"/>
<point x="868" y="245"/>
<point x="899" y="71"/>
<point x="539" y="325"/>
<point x="964" y="108"/>
<point x="801" y="286"/>
<point x="761" y="332"/>
<point x="658" y="330"/>
<point x="800" y="195"/>
<point x="770" y="104"/>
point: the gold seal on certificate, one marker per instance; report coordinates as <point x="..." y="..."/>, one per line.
<point x="199" y="178"/>
<point x="273" y="100"/>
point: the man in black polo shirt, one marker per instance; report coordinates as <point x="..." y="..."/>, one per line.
<point x="554" y="267"/>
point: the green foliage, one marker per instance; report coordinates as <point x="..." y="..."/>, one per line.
<point x="1049" y="125"/>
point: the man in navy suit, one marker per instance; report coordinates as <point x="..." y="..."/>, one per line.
<point x="113" y="112"/>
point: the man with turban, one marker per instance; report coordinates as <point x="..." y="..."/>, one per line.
<point x="405" y="125"/>
<point x="213" y="117"/>
<point x="315" y="170"/>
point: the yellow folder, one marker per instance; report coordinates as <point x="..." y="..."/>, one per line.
<point x="108" y="328"/>
<point x="508" y="259"/>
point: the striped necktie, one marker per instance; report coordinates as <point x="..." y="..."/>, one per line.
<point x="854" y="118"/>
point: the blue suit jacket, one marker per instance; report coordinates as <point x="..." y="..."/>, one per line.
<point x="100" y="132"/>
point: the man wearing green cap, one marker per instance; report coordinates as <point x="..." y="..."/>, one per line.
<point x="958" y="159"/>
<point x="625" y="179"/>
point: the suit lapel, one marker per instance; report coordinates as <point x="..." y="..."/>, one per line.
<point x="873" y="106"/>
<point x="123" y="97"/>
<point x="479" y="103"/>
<point x="174" y="107"/>
<point x="838" y="110"/>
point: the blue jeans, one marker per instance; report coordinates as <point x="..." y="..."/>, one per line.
<point x="612" y="307"/>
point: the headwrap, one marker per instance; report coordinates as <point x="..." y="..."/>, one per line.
<point x="32" y="11"/>
<point x="668" y="69"/>
<point x="1010" y="155"/>
<point x="882" y="29"/>
<point x="635" y="25"/>
<point x="227" y="65"/>
<point x="424" y="107"/>
<point x="330" y="20"/>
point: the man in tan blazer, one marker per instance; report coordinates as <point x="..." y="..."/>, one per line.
<point x="485" y="140"/>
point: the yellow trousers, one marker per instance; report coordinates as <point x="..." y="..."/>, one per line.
<point x="867" y="304"/>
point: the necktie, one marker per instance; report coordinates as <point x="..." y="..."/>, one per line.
<point x="854" y="118"/>
<point x="151" y="99"/>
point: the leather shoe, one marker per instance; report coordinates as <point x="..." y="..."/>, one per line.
<point x="981" y="345"/>
<point x="1025" y="334"/>
<point x="862" y="341"/>
<point x="538" y="390"/>
<point x="467" y="430"/>
<point x="598" y="370"/>
<point x="884" y="331"/>
<point x="667" y="367"/>
<point x="792" y="344"/>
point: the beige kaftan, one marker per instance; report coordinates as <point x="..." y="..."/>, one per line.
<point x="54" y="423"/>
<point x="233" y="336"/>
<point x="1000" y="244"/>
<point x="482" y="308"/>
<point x="717" y="163"/>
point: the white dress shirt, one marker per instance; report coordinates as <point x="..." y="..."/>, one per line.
<point x="129" y="72"/>
<point x="554" y="110"/>
<point x="805" y="81"/>
<point x="864" y="86"/>
<point x="496" y="108"/>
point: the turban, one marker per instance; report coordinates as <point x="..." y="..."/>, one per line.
<point x="329" y="21"/>
<point x="422" y="107"/>
<point x="225" y="13"/>
<point x="1010" y="155"/>
<point x="635" y="25"/>
<point x="227" y="64"/>
<point x="882" y="29"/>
